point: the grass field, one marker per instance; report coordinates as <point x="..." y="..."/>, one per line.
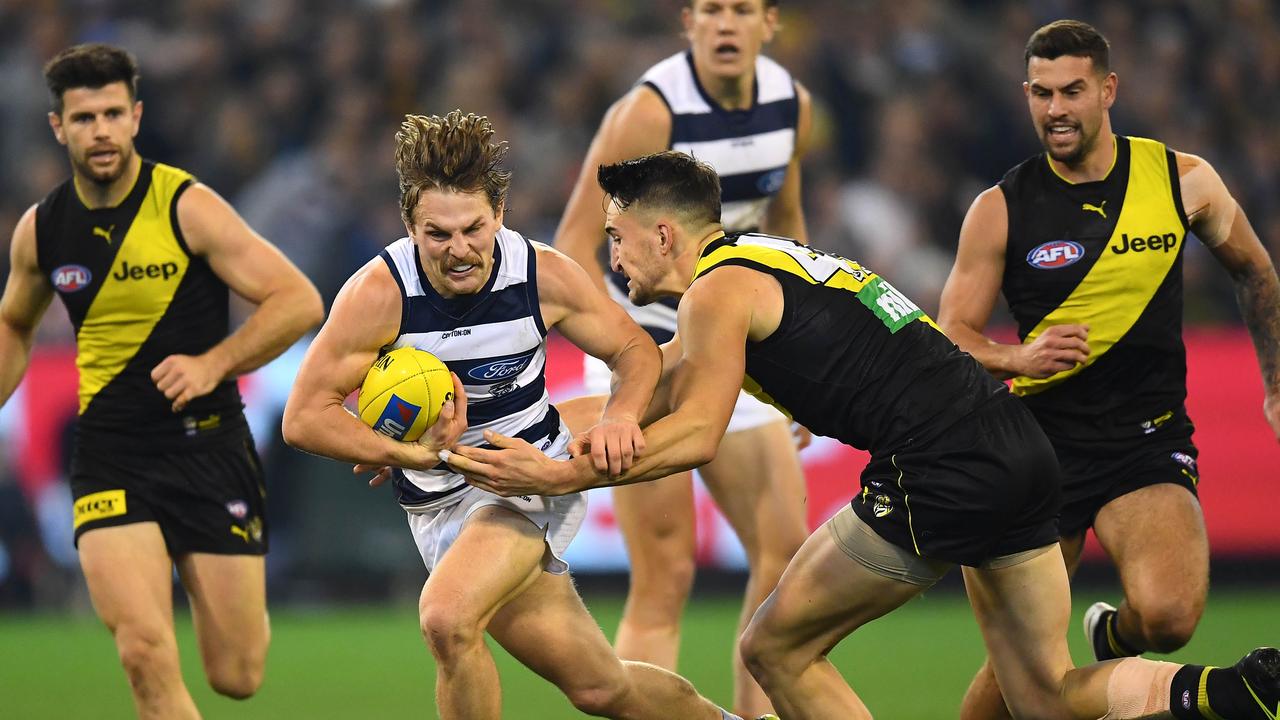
<point x="370" y="662"/>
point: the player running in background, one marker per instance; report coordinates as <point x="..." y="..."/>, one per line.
<point x="164" y="471"/>
<point x="475" y="293"/>
<point x="1086" y="241"/>
<point x="960" y="472"/>
<point x="741" y="112"/>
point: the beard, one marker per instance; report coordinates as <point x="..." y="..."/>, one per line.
<point x="124" y="155"/>
<point x="1071" y="155"/>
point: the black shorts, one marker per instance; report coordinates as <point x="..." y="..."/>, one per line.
<point x="1095" y="473"/>
<point x="983" y="488"/>
<point x="211" y="500"/>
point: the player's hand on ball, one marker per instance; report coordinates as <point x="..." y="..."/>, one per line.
<point x="446" y="431"/>
<point x="183" y="378"/>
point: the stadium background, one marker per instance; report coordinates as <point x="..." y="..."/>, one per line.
<point x="288" y="108"/>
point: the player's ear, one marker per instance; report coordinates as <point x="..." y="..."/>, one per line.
<point x="137" y="117"/>
<point x="686" y="19"/>
<point x="666" y="238"/>
<point x="497" y="216"/>
<point x="1109" y="85"/>
<point x="770" y="21"/>
<point x="55" y="122"/>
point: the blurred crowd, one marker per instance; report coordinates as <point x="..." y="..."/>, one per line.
<point x="289" y="107"/>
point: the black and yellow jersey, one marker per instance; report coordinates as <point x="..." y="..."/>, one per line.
<point x="1107" y="254"/>
<point x="136" y="294"/>
<point x="852" y="358"/>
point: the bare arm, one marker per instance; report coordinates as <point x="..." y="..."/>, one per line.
<point x="715" y="317"/>
<point x="365" y="317"/>
<point x="27" y="294"/>
<point x="287" y="303"/>
<point x="785" y="216"/>
<point x="971" y="291"/>
<point x="602" y="329"/>
<point x="1221" y="224"/>
<point x="636" y="125"/>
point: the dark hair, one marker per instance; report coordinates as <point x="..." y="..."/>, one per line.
<point x="454" y="153"/>
<point x="670" y="180"/>
<point x="1070" y="37"/>
<point x="91" y="65"/>
<point x="767" y="3"/>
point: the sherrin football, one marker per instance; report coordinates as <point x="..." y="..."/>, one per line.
<point x="403" y="392"/>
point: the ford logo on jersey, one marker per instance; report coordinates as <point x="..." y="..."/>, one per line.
<point x="70" y="278"/>
<point x="1055" y="254"/>
<point x="499" y="369"/>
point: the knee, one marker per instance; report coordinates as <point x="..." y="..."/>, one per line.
<point x="238" y="679"/>
<point x="448" y="633"/>
<point x="1168" y="624"/>
<point x="765" y="655"/>
<point x="665" y="591"/>
<point x="601" y="699"/>
<point x="146" y="654"/>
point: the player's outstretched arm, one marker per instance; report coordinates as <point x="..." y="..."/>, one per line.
<point x="971" y="291"/>
<point x="1221" y="224"/>
<point x="27" y="294"/>
<point x="785" y="214"/>
<point x="287" y="303"/>
<point x="714" y="321"/>
<point x="365" y="317"/>
<point x="601" y="328"/>
<point x="638" y="124"/>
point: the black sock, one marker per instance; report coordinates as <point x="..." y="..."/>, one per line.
<point x="1112" y="633"/>
<point x="1209" y="693"/>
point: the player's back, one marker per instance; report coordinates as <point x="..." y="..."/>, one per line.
<point x="852" y="357"/>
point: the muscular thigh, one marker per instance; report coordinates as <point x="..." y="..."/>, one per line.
<point x="1156" y="537"/>
<point x="228" y="601"/>
<point x="548" y="629"/>
<point x="129" y="575"/>
<point x="757" y="481"/>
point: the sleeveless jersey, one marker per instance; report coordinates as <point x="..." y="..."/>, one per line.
<point x="1107" y="254"/>
<point x="749" y="149"/>
<point x="496" y="343"/>
<point x="852" y="358"/>
<point x="135" y="295"/>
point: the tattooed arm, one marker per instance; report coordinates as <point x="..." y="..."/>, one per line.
<point x="1221" y="224"/>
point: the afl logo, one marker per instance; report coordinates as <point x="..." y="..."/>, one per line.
<point x="1055" y="254"/>
<point x="70" y="278"/>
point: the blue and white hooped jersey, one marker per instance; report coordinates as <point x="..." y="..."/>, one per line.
<point x="749" y="149"/>
<point x="493" y="340"/>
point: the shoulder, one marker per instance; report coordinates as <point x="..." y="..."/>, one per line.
<point x="1187" y="162"/>
<point x="558" y="275"/>
<point x="642" y="107"/>
<point x="373" y="289"/>
<point x="24" y="235"/>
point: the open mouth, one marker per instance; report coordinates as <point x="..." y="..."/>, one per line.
<point x="1062" y="131"/>
<point x="103" y="155"/>
<point x="461" y="270"/>
<point x="727" y="51"/>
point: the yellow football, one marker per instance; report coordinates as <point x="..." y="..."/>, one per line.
<point x="403" y="392"/>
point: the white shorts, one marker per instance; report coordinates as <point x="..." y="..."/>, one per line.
<point x="436" y="529"/>
<point x="748" y="412"/>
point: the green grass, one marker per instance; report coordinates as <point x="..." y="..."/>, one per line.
<point x="370" y="663"/>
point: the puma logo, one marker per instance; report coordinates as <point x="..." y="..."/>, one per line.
<point x="104" y="233"/>
<point x="237" y="530"/>
<point x="1100" y="209"/>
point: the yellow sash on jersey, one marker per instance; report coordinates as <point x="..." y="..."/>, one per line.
<point x="1118" y="288"/>
<point x="137" y="290"/>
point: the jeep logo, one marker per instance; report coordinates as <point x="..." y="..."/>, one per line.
<point x="1165" y="242"/>
<point x="163" y="271"/>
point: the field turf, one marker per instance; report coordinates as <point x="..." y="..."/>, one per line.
<point x="370" y="662"/>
